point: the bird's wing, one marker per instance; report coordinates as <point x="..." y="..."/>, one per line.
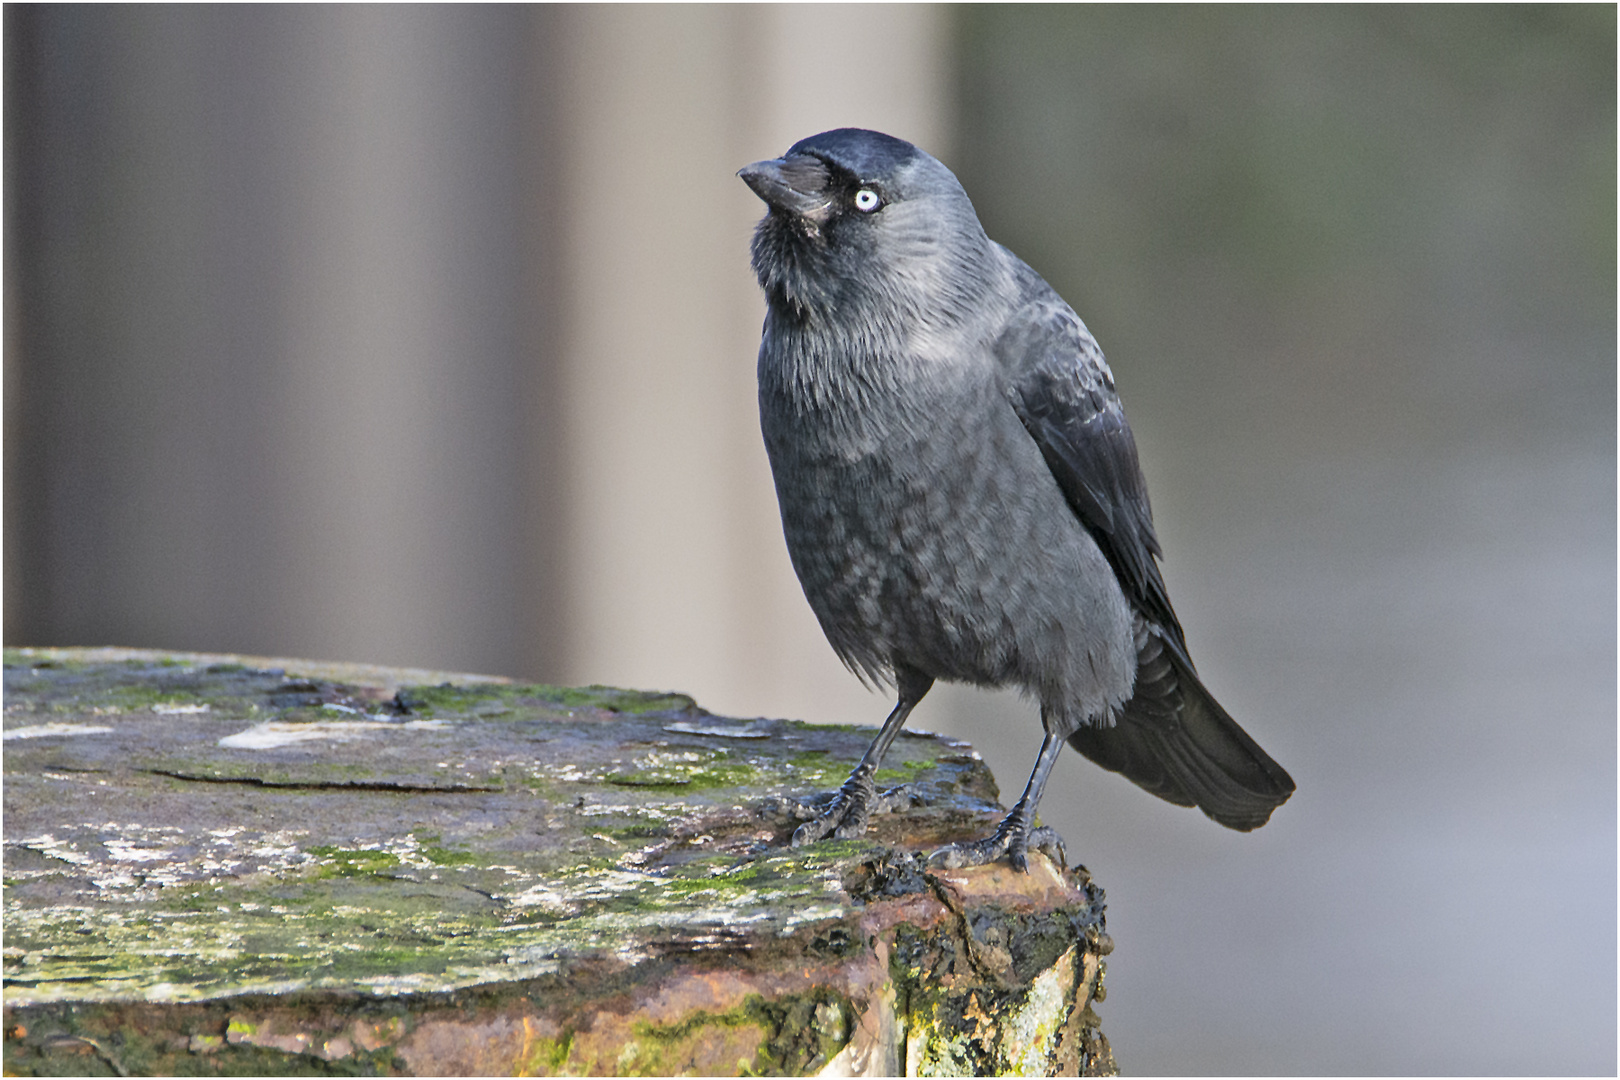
<point x="1061" y="388"/>
<point x="1172" y="737"/>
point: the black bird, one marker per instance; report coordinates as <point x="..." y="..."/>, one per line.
<point x="960" y="491"/>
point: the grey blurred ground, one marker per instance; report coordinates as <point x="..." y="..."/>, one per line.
<point x="292" y="378"/>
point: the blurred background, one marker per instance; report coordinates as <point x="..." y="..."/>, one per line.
<point x="425" y="336"/>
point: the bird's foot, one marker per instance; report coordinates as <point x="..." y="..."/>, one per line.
<point x="849" y="808"/>
<point x="1012" y="838"/>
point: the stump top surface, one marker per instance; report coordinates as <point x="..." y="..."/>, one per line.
<point x="182" y="827"/>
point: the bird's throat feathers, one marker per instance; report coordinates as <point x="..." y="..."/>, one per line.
<point x="851" y="321"/>
<point x="787" y="253"/>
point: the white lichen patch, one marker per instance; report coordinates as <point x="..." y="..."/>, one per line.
<point x="55" y="729"/>
<point x="171" y="708"/>
<point x="663" y="760"/>
<point x="131" y="863"/>
<point x="394" y="985"/>
<point x="531" y="965"/>
<point x="275" y="733"/>
<point x="652" y="811"/>
<point x="931" y="1051"/>
<point x="545" y="897"/>
<point x="130" y="851"/>
<point x="565" y="772"/>
<point x="280" y="847"/>
<point x="568" y="892"/>
<point x="724" y="731"/>
<point x="810" y="913"/>
<point x="1020" y="1041"/>
<point x="1029" y="1033"/>
<point x="49" y="846"/>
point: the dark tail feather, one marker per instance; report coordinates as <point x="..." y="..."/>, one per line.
<point x="1175" y="740"/>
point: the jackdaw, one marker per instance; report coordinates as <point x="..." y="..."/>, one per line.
<point x="960" y="491"/>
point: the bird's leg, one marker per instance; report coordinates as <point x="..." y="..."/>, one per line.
<point x="1014" y="837"/>
<point x="853" y="804"/>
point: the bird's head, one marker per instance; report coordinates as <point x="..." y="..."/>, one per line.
<point x="857" y="219"/>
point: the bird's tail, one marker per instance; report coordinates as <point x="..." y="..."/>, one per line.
<point x="1174" y="739"/>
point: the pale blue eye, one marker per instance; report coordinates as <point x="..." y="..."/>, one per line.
<point x="866" y="200"/>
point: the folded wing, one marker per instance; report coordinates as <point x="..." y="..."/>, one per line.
<point x="1172" y="737"/>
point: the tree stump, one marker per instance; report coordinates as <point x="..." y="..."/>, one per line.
<point x="220" y="864"/>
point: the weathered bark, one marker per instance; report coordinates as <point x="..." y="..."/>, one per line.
<point x="216" y="864"/>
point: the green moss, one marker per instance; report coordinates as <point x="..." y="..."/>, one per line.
<point x="816" y="769"/>
<point x="667" y="1049"/>
<point x="795" y="1035"/>
<point x="685" y="886"/>
<point x="443" y="856"/>
<point x="799" y="1033"/>
<point x="58" y="660"/>
<point x="686" y="770"/>
<point x="547" y="1056"/>
<point x="905" y="773"/>
<point x="806" y="1031"/>
<point x="349" y="863"/>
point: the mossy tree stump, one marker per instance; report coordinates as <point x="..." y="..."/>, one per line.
<point x="226" y="865"/>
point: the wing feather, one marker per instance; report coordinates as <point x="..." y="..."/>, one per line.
<point x="1063" y="392"/>
<point x="1172" y="737"/>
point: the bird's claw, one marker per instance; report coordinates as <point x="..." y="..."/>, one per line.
<point x="1013" y="839"/>
<point x="852" y="806"/>
<point x="843" y="821"/>
<point x="805" y="809"/>
<point x="887" y="802"/>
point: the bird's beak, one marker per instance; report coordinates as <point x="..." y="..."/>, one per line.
<point x="795" y="185"/>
